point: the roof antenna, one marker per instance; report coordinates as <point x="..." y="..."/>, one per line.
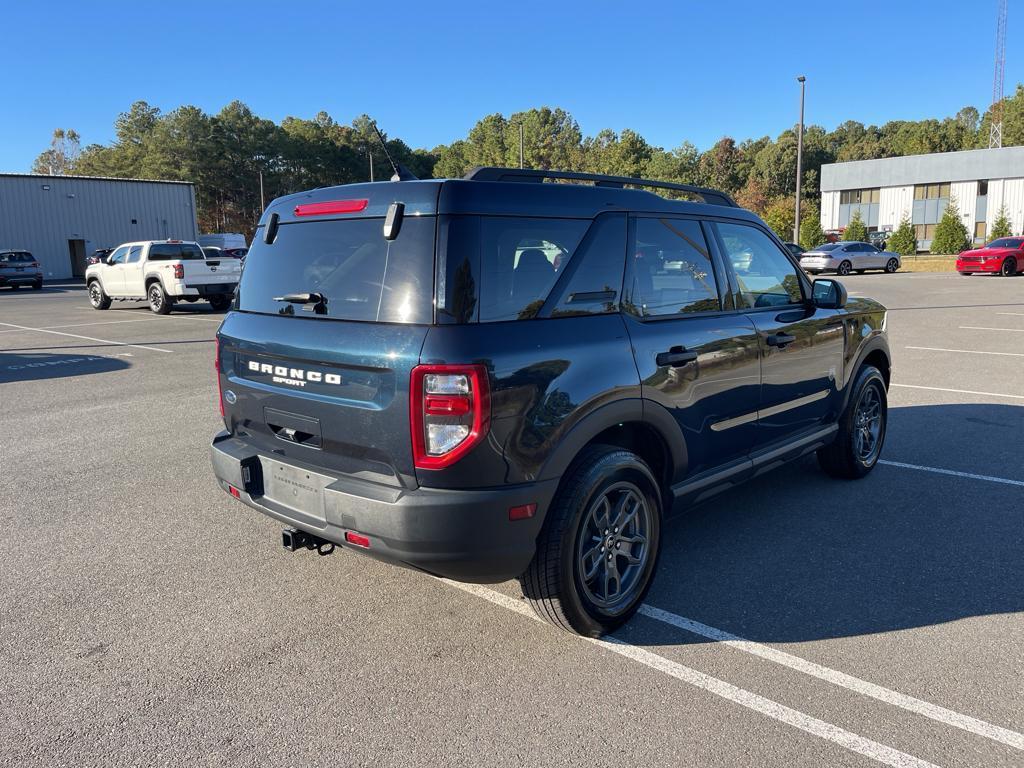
<point x="401" y="172"/>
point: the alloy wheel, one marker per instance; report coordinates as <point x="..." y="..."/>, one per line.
<point x="844" y="269"/>
<point x="891" y="266"/>
<point x="95" y="295"/>
<point x="156" y="298"/>
<point x="867" y="426"/>
<point x="613" y="547"/>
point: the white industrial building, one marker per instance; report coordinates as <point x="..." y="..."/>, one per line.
<point x="921" y="186"/>
<point x="61" y="219"/>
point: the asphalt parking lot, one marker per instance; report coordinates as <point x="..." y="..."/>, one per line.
<point x="147" y="619"/>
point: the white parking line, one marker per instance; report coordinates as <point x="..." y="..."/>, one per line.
<point x="1015" y="314"/>
<point x="795" y="718"/>
<point x="959" y="391"/>
<point x="984" y="328"/>
<point x="81" y="325"/>
<point x="954" y="473"/>
<point x="917" y="706"/>
<point x="88" y="338"/>
<point x="968" y="351"/>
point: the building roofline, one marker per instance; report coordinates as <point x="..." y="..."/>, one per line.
<point x="937" y="167"/>
<point x="92" y="178"/>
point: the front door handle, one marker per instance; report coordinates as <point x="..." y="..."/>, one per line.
<point x="676" y="357"/>
<point x="780" y="340"/>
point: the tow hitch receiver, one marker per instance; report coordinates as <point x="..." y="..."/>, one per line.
<point x="293" y="540"/>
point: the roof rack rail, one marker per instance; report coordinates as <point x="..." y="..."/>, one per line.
<point x="484" y="173"/>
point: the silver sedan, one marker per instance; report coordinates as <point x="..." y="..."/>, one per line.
<point x="847" y="256"/>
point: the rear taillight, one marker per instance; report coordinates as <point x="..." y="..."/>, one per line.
<point x="216" y="372"/>
<point x="179" y="271"/>
<point x="451" y="411"/>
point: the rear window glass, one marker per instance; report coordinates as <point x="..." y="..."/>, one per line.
<point x="174" y="252"/>
<point x="16" y="258"/>
<point x="828" y="247"/>
<point x="361" y="275"/>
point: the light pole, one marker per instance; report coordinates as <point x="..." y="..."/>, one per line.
<point x="520" y="144"/>
<point x="260" y="160"/>
<point x="799" y="159"/>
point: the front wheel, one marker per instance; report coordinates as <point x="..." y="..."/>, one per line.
<point x="862" y="426"/>
<point x="37" y="285"/>
<point x="966" y="274"/>
<point x="891" y="266"/>
<point x="844" y="269"/>
<point x="596" y="556"/>
<point x="1009" y="267"/>
<point x="97" y="296"/>
<point x="159" y="302"/>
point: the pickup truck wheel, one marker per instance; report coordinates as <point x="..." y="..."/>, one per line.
<point x="861" y="429"/>
<point x="599" y="547"/>
<point x="159" y="302"/>
<point x="220" y="303"/>
<point x="97" y="297"/>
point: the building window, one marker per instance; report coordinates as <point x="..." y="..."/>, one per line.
<point x="931" y="191"/>
<point x="979" y="230"/>
<point x="924" y="231"/>
<point x="982" y="188"/>
<point x="858" y="196"/>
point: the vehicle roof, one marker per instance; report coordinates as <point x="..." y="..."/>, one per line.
<point x="15" y="250"/>
<point x="498" y="198"/>
<point x="154" y="242"/>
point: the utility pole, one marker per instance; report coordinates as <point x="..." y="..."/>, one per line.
<point x="369" y="154"/>
<point x="263" y="202"/>
<point x="799" y="159"/>
<point x="521" y="144"/>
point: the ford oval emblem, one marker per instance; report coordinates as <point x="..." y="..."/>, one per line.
<point x="230" y="397"/>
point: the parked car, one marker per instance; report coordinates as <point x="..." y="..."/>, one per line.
<point x="19" y="268"/>
<point x="428" y="390"/>
<point x="212" y="252"/>
<point x="1004" y="256"/>
<point x="162" y="272"/>
<point x="795" y="249"/>
<point x="236" y="253"/>
<point x="848" y="256"/>
<point x="223" y="240"/>
<point x="100" y="254"/>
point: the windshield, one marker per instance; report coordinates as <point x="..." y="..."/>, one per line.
<point x="1006" y="242"/>
<point x="827" y="247"/>
<point x="361" y="275"/>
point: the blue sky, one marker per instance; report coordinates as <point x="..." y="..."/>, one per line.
<point x="428" y="71"/>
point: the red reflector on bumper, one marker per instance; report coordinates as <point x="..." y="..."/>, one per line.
<point x="522" y="512"/>
<point x="234" y="492"/>
<point x="358" y="539"/>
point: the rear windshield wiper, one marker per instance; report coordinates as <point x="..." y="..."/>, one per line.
<point x="318" y="300"/>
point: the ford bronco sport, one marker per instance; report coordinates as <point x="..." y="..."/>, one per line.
<point x="497" y="377"/>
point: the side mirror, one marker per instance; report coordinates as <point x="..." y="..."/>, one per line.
<point x="109" y="261"/>
<point x="829" y="294"/>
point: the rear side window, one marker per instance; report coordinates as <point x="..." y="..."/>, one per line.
<point x="174" y="252"/>
<point x="361" y="275"/>
<point x="670" y="270"/>
<point x="595" y="272"/>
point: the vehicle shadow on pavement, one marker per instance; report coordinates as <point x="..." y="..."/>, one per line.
<point x="797" y="556"/>
<point x="37" y="367"/>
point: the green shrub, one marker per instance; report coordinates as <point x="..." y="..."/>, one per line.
<point x="1001" y="226"/>
<point x="904" y="240"/>
<point x="811" y="234"/>
<point x="950" y="235"/>
<point x="855" y="230"/>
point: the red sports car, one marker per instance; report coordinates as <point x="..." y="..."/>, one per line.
<point x="1005" y="256"/>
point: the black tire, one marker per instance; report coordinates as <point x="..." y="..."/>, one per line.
<point x="219" y="303"/>
<point x="859" y="271"/>
<point x="966" y="274"/>
<point x="159" y="301"/>
<point x="891" y="266"/>
<point x="844" y="268"/>
<point x="1009" y="268"/>
<point x="97" y="296"/>
<point x="849" y="456"/>
<point x="555" y="583"/>
<point x="15" y="287"/>
<point x="37" y="285"/>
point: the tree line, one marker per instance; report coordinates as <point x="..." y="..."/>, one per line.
<point x="226" y="153"/>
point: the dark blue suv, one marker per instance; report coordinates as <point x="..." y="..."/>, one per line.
<point x="501" y="377"/>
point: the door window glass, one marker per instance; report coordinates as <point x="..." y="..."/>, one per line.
<point x="670" y="270"/>
<point x="117" y="257"/>
<point x="134" y="253"/>
<point x="767" y="278"/>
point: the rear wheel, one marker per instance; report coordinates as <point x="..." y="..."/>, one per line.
<point x="596" y="555"/>
<point x="97" y="297"/>
<point x="861" y="429"/>
<point x="966" y="274"/>
<point x="1009" y="267"/>
<point x="859" y="271"/>
<point x="891" y="266"/>
<point x="220" y="303"/>
<point x="37" y="285"/>
<point x="158" y="299"/>
<point x="844" y="268"/>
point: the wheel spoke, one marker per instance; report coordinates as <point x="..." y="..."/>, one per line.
<point x="591" y="562"/>
<point x="626" y="510"/>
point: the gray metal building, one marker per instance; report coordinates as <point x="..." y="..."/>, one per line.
<point x="61" y="219"/>
<point x="982" y="181"/>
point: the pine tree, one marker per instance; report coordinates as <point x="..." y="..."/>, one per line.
<point x="1001" y="226"/>
<point x="950" y="234"/>
<point x="811" y="234"/>
<point x="855" y="230"/>
<point x="904" y="239"/>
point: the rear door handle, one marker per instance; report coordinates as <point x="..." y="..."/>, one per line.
<point x="780" y="340"/>
<point x="676" y="357"/>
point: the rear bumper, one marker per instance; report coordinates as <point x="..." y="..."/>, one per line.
<point x="21" y="279"/>
<point x="208" y="289"/>
<point x="819" y="265"/>
<point x="459" y="534"/>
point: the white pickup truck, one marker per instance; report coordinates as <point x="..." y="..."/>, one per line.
<point x="162" y="272"/>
